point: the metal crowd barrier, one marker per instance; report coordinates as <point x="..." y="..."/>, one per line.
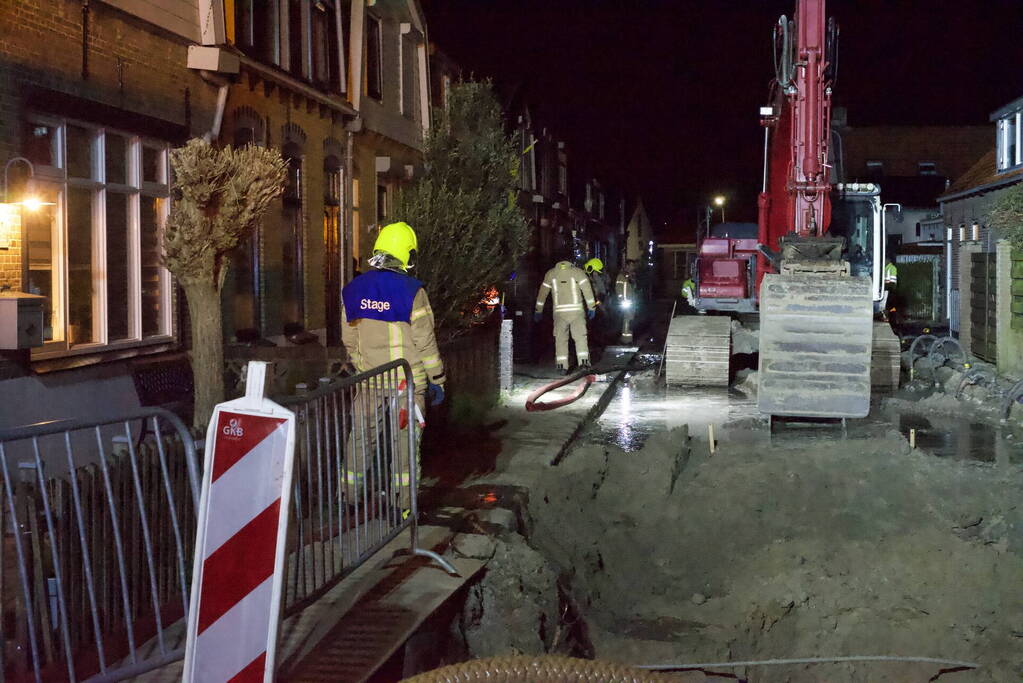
<point x="97" y="526"/>
<point x="355" y="477"/>
<point x="98" y="523"/>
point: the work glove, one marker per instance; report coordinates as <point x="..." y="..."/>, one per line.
<point x="435" y="393"/>
<point x="537" y="317"/>
<point x="591" y="314"/>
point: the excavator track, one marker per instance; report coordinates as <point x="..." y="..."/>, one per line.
<point x="885" y="357"/>
<point x="697" y="350"/>
<point x="816" y="343"/>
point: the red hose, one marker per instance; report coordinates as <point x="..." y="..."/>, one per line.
<point x="533" y="406"/>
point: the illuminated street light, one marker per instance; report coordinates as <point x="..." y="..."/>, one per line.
<point x="719" y="201"/>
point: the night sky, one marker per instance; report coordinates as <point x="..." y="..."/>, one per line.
<point x="661" y="97"/>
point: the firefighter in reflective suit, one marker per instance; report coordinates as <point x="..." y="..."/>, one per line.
<point x="386" y="316"/>
<point x="568" y="286"/>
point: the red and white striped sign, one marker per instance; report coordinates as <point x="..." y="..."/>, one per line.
<point x="243" y="516"/>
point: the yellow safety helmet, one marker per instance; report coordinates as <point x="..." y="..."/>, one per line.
<point x="399" y="240"/>
<point x="594" y="264"/>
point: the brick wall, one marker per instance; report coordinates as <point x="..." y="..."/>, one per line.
<point x="10" y="248"/>
<point x="368" y="146"/>
<point x="1010" y="340"/>
<point x="132" y="76"/>
<point x="284" y="116"/>
<point x="131" y="65"/>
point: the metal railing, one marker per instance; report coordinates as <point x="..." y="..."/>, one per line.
<point x="355" y="477"/>
<point x="97" y="526"/>
<point x="98" y="523"/>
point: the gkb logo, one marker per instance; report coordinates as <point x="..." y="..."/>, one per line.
<point x="234" y="428"/>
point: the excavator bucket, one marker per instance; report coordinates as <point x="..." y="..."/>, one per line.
<point x="697" y="350"/>
<point x="815" y="346"/>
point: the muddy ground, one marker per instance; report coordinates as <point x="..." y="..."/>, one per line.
<point x="643" y="547"/>
<point x="807" y="548"/>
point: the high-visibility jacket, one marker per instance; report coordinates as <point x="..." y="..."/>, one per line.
<point x="689" y="289"/>
<point x="891" y="274"/>
<point x="386" y="316"/>
<point x="625" y="289"/>
<point x="569" y="287"/>
<point x="599" y="283"/>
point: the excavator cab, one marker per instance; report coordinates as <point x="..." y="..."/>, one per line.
<point x="856" y="216"/>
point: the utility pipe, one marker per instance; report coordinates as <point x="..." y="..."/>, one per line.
<point x="809" y="660"/>
<point x="218" y="115"/>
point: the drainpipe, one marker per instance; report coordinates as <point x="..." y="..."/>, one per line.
<point x="218" y="116"/>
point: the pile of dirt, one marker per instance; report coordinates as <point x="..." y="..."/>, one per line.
<point x="514" y="609"/>
<point x="815" y="546"/>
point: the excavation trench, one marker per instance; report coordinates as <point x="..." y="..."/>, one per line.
<point x="643" y="547"/>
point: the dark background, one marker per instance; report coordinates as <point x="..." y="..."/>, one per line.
<point x="661" y="97"/>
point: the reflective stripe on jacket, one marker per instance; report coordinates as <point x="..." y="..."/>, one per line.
<point x="568" y="287"/>
<point x="624" y="286"/>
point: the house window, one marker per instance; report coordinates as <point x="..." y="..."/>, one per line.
<point x="298" y="38"/>
<point x="374" y="58"/>
<point x="1009" y="141"/>
<point x="292" y="267"/>
<point x="257" y="29"/>
<point x="527" y="180"/>
<point x="927" y="168"/>
<point x="94" y="249"/>
<point x="326" y="50"/>
<point x="409" y="82"/>
<point x="382" y="207"/>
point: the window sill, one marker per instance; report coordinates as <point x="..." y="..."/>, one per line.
<point x="53" y="361"/>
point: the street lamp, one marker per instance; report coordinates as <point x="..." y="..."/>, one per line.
<point x="10" y="216"/>
<point x="719" y="201"/>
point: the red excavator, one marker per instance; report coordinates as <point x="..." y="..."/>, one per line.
<point x="816" y="273"/>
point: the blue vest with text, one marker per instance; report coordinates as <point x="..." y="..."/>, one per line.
<point x="380" y="295"/>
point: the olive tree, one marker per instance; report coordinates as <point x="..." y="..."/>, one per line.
<point x="463" y="207"/>
<point x="220" y="195"/>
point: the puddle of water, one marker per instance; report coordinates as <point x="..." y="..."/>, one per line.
<point x="642" y="408"/>
<point x="962" y="439"/>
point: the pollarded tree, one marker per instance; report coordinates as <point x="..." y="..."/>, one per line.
<point x="463" y="209"/>
<point x="220" y="195"/>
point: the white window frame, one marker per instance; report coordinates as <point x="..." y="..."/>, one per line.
<point x="135" y="188"/>
<point x="407" y="38"/>
<point x="1004" y="162"/>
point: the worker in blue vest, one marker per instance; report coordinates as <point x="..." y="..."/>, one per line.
<point x="386" y="316"/>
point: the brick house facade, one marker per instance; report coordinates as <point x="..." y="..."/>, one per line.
<point x="93" y="97"/>
<point x="985" y="280"/>
<point x="97" y="118"/>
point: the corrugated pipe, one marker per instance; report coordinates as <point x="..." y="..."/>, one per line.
<point x="548" y="669"/>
